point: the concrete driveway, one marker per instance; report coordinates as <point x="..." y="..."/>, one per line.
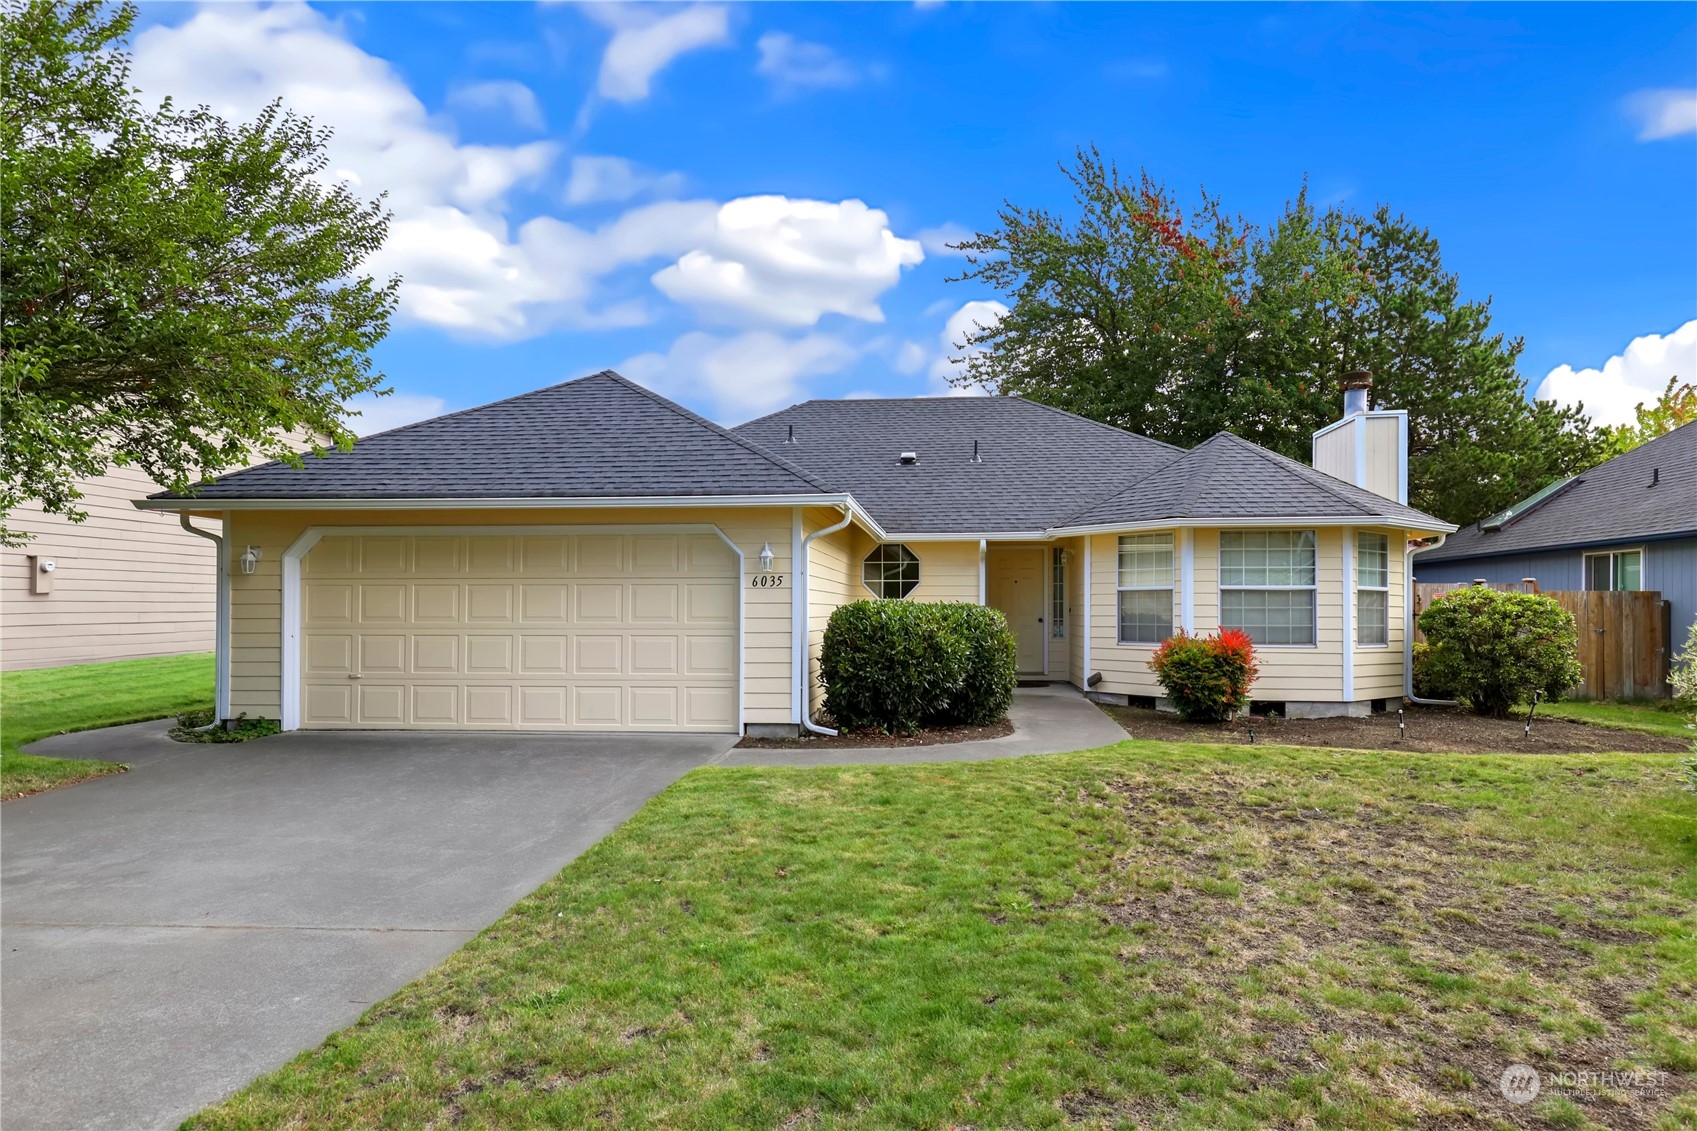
<point x="172" y="932"/>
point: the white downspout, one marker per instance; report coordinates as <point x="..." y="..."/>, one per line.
<point x="1084" y="676"/>
<point x="1408" y="629"/>
<point x="221" y="632"/>
<point x="803" y="584"/>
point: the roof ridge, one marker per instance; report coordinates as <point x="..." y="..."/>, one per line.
<point x="1096" y="423"/>
<point x="1313" y="475"/>
<point x="719" y="429"/>
<point x="484" y="405"/>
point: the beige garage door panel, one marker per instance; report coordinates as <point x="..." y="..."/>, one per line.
<point x="548" y="632"/>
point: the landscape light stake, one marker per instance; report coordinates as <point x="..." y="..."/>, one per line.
<point x="1401" y="727"/>
<point x="1250" y="726"/>
<point x="1536" y="695"/>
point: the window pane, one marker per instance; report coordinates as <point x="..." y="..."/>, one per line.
<point x="1146" y="615"/>
<point x="890" y="571"/>
<point x="1627" y="570"/>
<point x="1372" y="620"/>
<point x="1267" y="557"/>
<point x="1146" y="560"/>
<point x="1597" y="572"/>
<point x="1270" y="616"/>
<point x="1372" y="560"/>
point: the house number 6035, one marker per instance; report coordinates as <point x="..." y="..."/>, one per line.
<point x="767" y="580"/>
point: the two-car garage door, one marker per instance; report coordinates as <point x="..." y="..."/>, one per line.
<point x="580" y="631"/>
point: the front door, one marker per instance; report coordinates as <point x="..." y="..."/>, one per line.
<point x="1014" y="581"/>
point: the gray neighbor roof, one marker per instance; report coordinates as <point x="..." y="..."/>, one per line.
<point x="1613" y="502"/>
<point x="986" y="465"/>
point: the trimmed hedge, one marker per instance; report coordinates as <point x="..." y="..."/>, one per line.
<point x="900" y="666"/>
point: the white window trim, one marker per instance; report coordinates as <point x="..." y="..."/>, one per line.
<point x="916" y="561"/>
<point x="1355" y="597"/>
<point x="1585" y="560"/>
<point x="1057" y="593"/>
<point x="1220" y="571"/>
<point x="1171" y="588"/>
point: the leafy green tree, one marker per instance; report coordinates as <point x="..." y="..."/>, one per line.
<point x="181" y="294"/>
<point x="1675" y="408"/>
<point x="1181" y="326"/>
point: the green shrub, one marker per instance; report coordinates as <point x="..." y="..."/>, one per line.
<point x="899" y="666"/>
<point x="1206" y="677"/>
<point x="1424" y="687"/>
<point x="992" y="664"/>
<point x="1493" y="650"/>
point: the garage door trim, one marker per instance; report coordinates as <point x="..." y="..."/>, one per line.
<point x="292" y="590"/>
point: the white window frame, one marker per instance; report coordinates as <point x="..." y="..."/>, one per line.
<point x="1314" y="589"/>
<point x="919" y="572"/>
<point x="1614" y="568"/>
<point x="1360" y="589"/>
<point x="1119" y="587"/>
<point x="1058" y="593"/>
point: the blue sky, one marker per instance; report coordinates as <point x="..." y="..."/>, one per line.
<point x="744" y="206"/>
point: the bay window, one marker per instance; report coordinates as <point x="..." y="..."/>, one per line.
<point x="1372" y="589"/>
<point x="1267" y="584"/>
<point x="1145" y="588"/>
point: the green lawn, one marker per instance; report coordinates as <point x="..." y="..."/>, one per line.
<point x="46" y="701"/>
<point x="1149" y="934"/>
<point x="1652" y="715"/>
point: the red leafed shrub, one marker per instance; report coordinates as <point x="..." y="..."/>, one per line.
<point x="1206" y="677"/>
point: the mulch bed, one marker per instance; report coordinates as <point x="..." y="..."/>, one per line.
<point x="1429" y="730"/>
<point x="936" y="736"/>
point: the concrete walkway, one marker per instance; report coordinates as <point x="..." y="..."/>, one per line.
<point x="172" y="932"/>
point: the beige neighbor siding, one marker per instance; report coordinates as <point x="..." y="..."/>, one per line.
<point x="1301" y="674"/>
<point x="127" y="583"/>
<point x="256" y="599"/>
<point x="1378" y="670"/>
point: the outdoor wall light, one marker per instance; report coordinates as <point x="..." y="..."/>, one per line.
<point x="249" y="559"/>
<point x="766" y="558"/>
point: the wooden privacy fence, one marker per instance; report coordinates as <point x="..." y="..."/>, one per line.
<point x="1623" y="637"/>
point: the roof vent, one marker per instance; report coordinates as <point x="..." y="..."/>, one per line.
<point x="1655" y="476"/>
<point x="976" y="458"/>
<point x="910" y="457"/>
<point x="790" y="439"/>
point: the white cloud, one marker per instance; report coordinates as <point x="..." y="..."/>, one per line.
<point x="1612" y="393"/>
<point x="937" y="240"/>
<point x="597" y="179"/>
<point x="464" y="269"/>
<point x="910" y="358"/>
<point x="379" y="414"/>
<point x="744" y="375"/>
<point x="795" y="64"/>
<point x="790" y="262"/>
<point x="512" y="98"/>
<point x="644" y="42"/>
<point x="970" y="318"/>
<point x="1664" y="113"/>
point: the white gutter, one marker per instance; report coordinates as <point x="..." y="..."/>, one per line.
<point x="221" y="659"/>
<point x="1273" y="522"/>
<point x="1408" y="631"/>
<point x="801" y="627"/>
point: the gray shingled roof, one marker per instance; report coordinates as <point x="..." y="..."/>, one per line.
<point x="1226" y="477"/>
<point x="597" y="436"/>
<point x="1035" y="462"/>
<point x="1612" y="502"/>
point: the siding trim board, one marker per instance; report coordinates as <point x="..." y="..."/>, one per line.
<point x="296" y="553"/>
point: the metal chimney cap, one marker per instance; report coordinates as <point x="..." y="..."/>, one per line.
<point x="1357" y="379"/>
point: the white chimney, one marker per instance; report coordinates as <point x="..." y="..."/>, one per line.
<point x="1368" y="447"/>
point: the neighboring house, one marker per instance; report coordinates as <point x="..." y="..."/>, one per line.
<point x="592" y="556"/>
<point x="1630" y="523"/>
<point x="119" y="585"/>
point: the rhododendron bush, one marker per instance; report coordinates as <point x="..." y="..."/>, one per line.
<point x="1206" y="677"/>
